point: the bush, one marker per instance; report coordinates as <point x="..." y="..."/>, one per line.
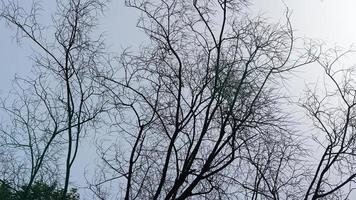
<point x="38" y="191"/>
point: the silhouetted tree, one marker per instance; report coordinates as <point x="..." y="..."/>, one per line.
<point x="331" y="107"/>
<point x="196" y="113"/>
<point x="52" y="109"/>
<point x="197" y="110"/>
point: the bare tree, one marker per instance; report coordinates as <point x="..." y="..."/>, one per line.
<point x="53" y="108"/>
<point x="198" y="106"/>
<point x="331" y="108"/>
<point x="273" y="168"/>
<point x="197" y="113"/>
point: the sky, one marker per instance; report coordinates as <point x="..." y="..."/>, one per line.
<point x="329" y="20"/>
<point x="332" y="21"/>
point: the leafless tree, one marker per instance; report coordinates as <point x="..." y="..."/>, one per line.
<point x="331" y="107"/>
<point x="197" y="113"/>
<point x="197" y="110"/>
<point x="51" y="110"/>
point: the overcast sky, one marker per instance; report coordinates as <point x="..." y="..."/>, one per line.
<point x="333" y="21"/>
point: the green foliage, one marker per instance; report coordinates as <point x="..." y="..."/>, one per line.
<point x="38" y="191"/>
<point x="6" y="192"/>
